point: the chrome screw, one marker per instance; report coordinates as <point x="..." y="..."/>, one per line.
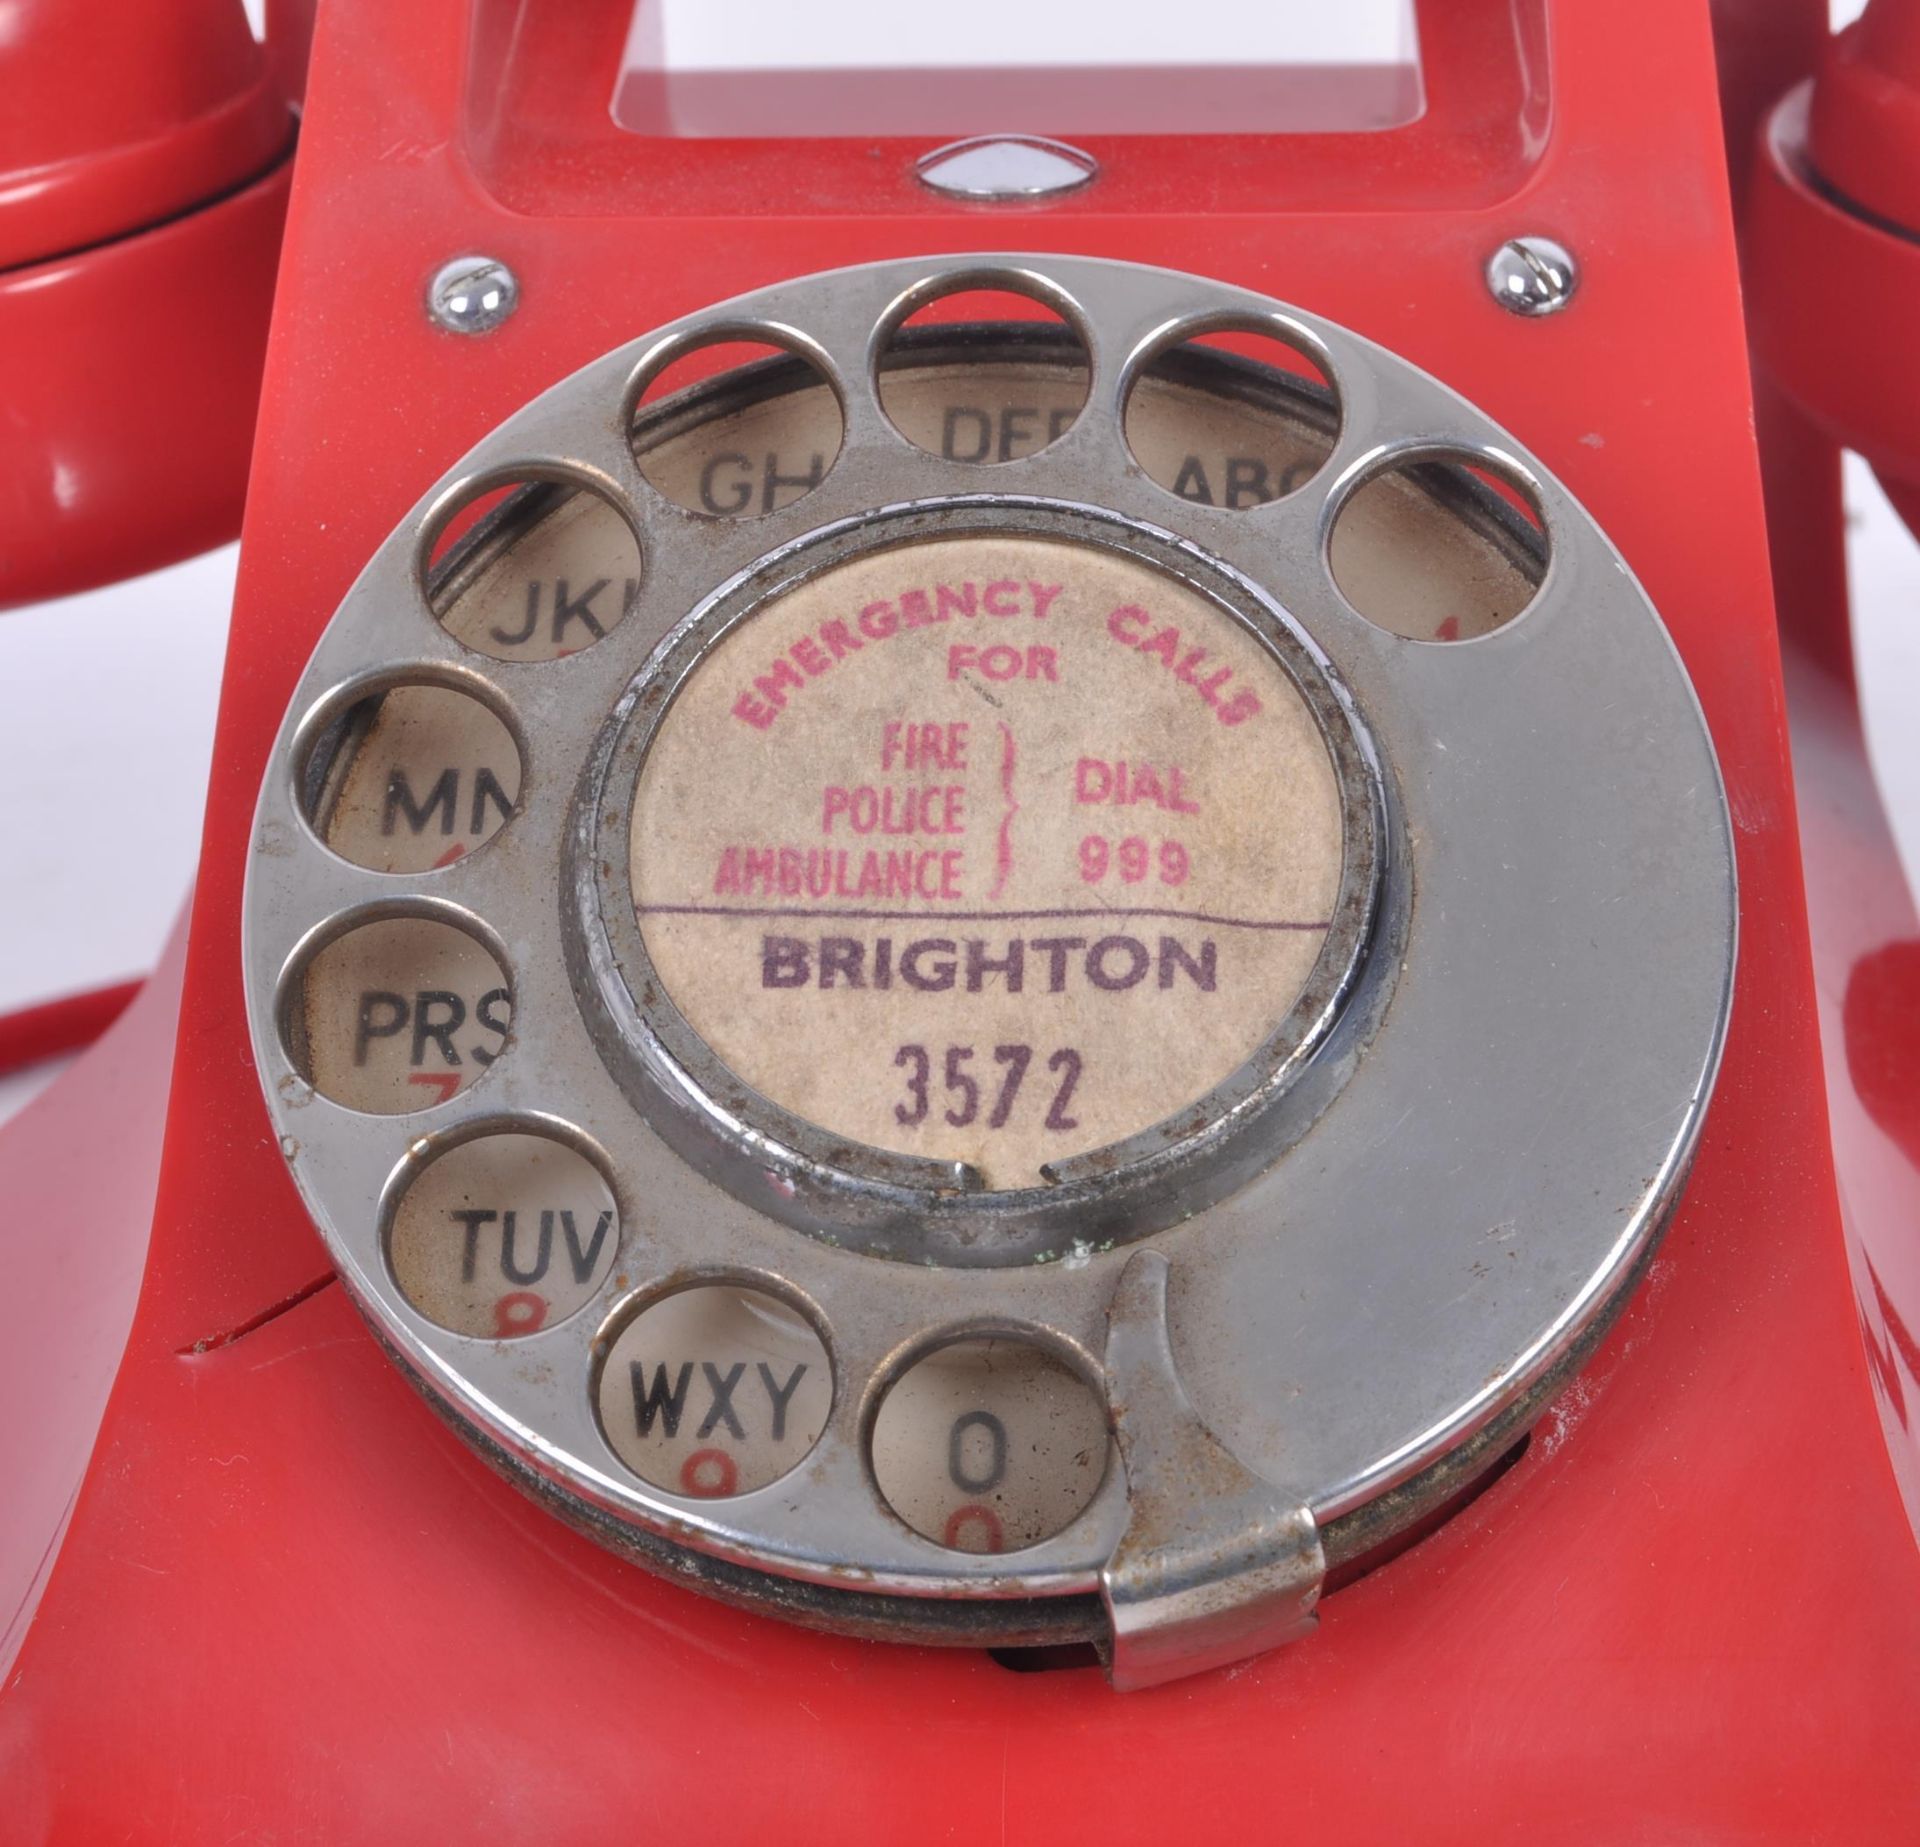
<point x="1532" y="276"/>
<point x="472" y="294"/>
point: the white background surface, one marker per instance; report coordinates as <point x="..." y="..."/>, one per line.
<point x="778" y="35"/>
<point x="106" y="724"/>
<point x="107" y="700"/>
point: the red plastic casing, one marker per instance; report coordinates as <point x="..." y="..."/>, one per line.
<point x="292" y="1604"/>
<point x="144" y="168"/>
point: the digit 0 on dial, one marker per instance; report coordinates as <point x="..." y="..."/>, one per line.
<point x="989" y="1445"/>
<point x="903" y="939"/>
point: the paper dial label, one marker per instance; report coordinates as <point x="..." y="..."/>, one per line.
<point x="996" y="848"/>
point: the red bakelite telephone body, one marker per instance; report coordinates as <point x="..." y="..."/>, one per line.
<point x="290" y="1604"/>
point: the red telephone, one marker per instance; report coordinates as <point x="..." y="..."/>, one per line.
<point x="1027" y="915"/>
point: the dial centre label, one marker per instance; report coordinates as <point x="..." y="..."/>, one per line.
<point x="996" y="849"/>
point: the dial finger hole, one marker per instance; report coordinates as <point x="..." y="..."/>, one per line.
<point x="989" y="1445"/>
<point x="531" y="570"/>
<point x="1233" y="417"/>
<point x="983" y="375"/>
<point x="396" y="1014"/>
<point x="736" y="428"/>
<point x="1442" y="547"/>
<point x="408" y="776"/>
<point x="503" y="1235"/>
<point x="715" y="1390"/>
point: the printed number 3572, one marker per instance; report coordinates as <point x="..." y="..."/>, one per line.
<point x="962" y="1087"/>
